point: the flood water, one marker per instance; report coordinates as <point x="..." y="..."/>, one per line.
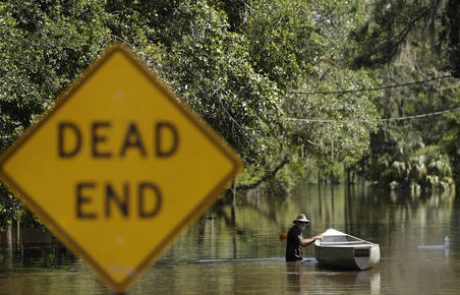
<point x="235" y="249"/>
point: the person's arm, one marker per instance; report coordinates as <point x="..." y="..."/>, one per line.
<point x="306" y="242"/>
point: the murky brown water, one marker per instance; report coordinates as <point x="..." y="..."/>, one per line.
<point x="238" y="251"/>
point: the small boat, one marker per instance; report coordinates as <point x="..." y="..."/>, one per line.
<point x="343" y="251"/>
<point x="444" y="246"/>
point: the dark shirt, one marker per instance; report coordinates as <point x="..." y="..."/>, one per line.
<point x="294" y="249"/>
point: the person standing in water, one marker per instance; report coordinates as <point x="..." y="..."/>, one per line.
<point x="295" y="240"/>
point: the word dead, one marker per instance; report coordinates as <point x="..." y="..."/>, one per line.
<point x="98" y="140"/>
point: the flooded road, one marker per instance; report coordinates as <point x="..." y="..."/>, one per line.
<point x="234" y="249"/>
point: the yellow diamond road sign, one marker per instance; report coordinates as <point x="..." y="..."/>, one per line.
<point x="118" y="167"/>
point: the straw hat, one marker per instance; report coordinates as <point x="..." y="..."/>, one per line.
<point x="301" y="218"/>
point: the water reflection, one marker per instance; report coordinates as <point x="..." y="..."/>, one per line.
<point x="348" y="282"/>
<point x="41" y="256"/>
<point x="234" y="248"/>
<point x="294" y="272"/>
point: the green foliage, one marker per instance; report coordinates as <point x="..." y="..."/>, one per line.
<point x="451" y="138"/>
<point x="426" y="167"/>
<point x="412" y="41"/>
<point x="382" y="36"/>
<point x="281" y="40"/>
<point x="236" y="63"/>
<point x="44" y="45"/>
<point x="346" y="139"/>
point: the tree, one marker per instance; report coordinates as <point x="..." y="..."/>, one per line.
<point x="44" y="46"/>
<point x="236" y="63"/>
<point x="394" y="42"/>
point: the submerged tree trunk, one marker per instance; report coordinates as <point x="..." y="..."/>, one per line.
<point x="233" y="213"/>
<point x="18" y="230"/>
<point x="9" y="240"/>
<point x="347" y="175"/>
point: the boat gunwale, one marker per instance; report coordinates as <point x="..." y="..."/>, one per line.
<point x="362" y="246"/>
<point x="320" y="243"/>
<point x="344" y="244"/>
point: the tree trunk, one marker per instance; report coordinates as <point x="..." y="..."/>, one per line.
<point x="453" y="13"/>
<point x="347" y="173"/>
<point x="9" y="240"/>
<point x="432" y="26"/>
<point x="18" y="229"/>
<point x="233" y="213"/>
